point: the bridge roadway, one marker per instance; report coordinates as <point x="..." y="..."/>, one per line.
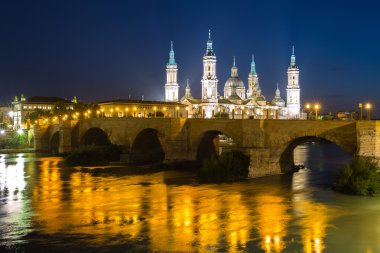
<point x="269" y="143"/>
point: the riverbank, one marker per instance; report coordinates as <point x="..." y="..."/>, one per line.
<point x="16" y="150"/>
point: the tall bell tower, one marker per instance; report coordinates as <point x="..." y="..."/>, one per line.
<point x="171" y="86"/>
<point x="209" y="80"/>
<point x="293" y="99"/>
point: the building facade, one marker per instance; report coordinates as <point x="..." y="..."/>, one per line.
<point x="237" y="101"/>
<point x="141" y="109"/>
<point x="23" y="108"/>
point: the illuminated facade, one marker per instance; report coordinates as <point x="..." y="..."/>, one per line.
<point x="141" y="109"/>
<point x="237" y="101"/>
<point x="24" y="107"/>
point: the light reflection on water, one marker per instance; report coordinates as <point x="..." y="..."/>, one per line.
<point x="44" y="205"/>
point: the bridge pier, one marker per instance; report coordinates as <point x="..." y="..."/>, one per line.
<point x="65" y="137"/>
<point x="368" y="139"/>
<point x="41" y="138"/>
<point x="176" y="150"/>
<point x="262" y="163"/>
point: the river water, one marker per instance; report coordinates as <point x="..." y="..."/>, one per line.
<point x="45" y="208"/>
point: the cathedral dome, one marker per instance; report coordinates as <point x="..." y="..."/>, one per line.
<point x="234" y="82"/>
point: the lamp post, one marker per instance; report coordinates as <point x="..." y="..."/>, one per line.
<point x="102" y="111"/>
<point x="164" y="112"/>
<point x="126" y="112"/>
<point x="307" y="111"/>
<point x="316" y="107"/>
<point x="368" y="110"/>
<point x="97" y="113"/>
<point x="361" y="111"/>
<point x="177" y="109"/>
<point x="155" y="109"/>
<point x="134" y="111"/>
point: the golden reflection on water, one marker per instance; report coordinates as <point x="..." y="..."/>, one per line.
<point x="174" y="218"/>
<point x="147" y="211"/>
<point x="272" y="222"/>
<point x="169" y="218"/>
<point x="313" y="217"/>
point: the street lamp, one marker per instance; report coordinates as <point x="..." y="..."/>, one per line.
<point x="102" y="110"/>
<point x="97" y="113"/>
<point x="177" y="108"/>
<point x="155" y="109"/>
<point x="307" y="111"/>
<point x="126" y="112"/>
<point x="361" y="111"/>
<point x="368" y="110"/>
<point x="316" y="107"/>
<point x="134" y="111"/>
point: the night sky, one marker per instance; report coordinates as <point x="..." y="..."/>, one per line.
<point x="99" y="50"/>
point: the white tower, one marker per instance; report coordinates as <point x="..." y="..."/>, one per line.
<point x="209" y="79"/>
<point x="171" y="86"/>
<point x="293" y="90"/>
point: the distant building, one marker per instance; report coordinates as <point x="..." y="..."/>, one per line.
<point x="352" y="115"/>
<point x="236" y="101"/>
<point x="24" y="107"/>
<point x="141" y="109"/>
<point x="5" y="116"/>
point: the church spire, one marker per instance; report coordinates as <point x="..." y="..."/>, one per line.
<point x="187" y="85"/>
<point x="277" y="94"/>
<point x="234" y="69"/>
<point x="293" y="59"/>
<point x="171" y="55"/>
<point x="209" y="51"/>
<point x="253" y="66"/>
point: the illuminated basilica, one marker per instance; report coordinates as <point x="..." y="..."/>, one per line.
<point x="237" y="101"/>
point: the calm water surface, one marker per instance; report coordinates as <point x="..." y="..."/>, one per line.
<point x="44" y="208"/>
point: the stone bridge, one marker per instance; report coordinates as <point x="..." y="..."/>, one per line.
<point x="269" y="143"/>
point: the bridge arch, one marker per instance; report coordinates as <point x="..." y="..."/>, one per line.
<point x="211" y="143"/>
<point x="54" y="143"/>
<point x="148" y="147"/>
<point x="94" y="136"/>
<point x="285" y="152"/>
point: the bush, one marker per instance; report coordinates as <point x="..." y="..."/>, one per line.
<point x="230" y="166"/>
<point x="93" y="155"/>
<point x="361" y="177"/>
